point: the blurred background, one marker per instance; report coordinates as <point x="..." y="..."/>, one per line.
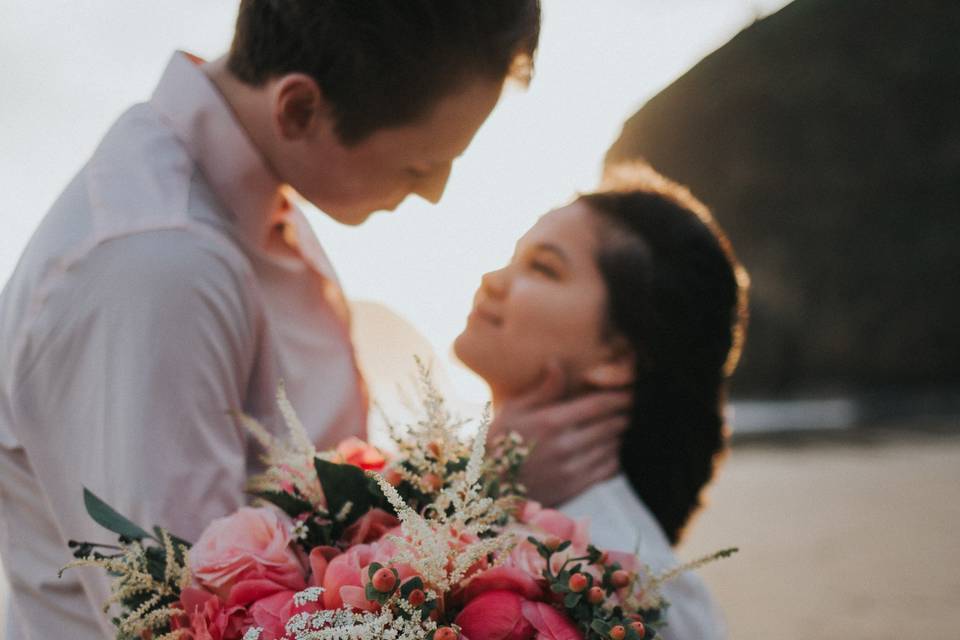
<point x="825" y="137"/>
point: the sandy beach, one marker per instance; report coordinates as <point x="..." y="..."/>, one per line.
<point x="851" y="539"/>
<point x="841" y="539"/>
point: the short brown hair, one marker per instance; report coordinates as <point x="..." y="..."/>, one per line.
<point x="384" y="63"/>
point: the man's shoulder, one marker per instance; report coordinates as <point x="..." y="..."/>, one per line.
<point x="140" y="197"/>
<point x="174" y="282"/>
<point x="190" y="255"/>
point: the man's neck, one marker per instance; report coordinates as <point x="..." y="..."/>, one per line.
<point x="250" y="105"/>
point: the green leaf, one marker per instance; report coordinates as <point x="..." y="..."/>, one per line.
<point x="541" y="548"/>
<point x="410" y="585"/>
<point x="176" y="540"/>
<point x="373" y="568"/>
<point x="563" y="546"/>
<point x="594" y="553"/>
<point x="290" y="504"/>
<point x="600" y="627"/>
<point x="343" y="483"/>
<point x="571" y="600"/>
<point x="104" y="515"/>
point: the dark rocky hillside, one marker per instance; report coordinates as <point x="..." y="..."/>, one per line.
<point x="826" y="139"/>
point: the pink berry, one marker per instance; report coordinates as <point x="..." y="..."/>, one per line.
<point x="445" y="633"/>
<point x="383" y="580"/>
<point x="620" y="578"/>
<point x="577" y="582"/>
<point x="417" y="597"/>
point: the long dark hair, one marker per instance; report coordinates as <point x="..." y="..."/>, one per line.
<point x="677" y="294"/>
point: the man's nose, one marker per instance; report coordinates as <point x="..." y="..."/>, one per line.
<point x="432" y="186"/>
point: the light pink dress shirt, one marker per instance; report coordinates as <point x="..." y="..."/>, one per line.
<point x="171" y="283"/>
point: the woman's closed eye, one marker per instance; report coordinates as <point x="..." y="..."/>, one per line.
<point x="545" y="268"/>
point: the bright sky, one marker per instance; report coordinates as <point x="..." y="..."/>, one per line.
<point x="67" y="71"/>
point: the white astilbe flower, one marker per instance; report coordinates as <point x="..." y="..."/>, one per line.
<point x="344" y="624"/>
<point x="132" y="577"/>
<point x="289" y="461"/>
<point x="437" y="545"/>
<point x="310" y="594"/>
<point x="448" y="469"/>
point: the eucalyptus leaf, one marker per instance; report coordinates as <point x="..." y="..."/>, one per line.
<point x="108" y="518"/>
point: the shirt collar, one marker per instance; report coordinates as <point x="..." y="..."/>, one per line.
<point x="194" y="109"/>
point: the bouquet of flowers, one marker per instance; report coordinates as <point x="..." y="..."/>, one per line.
<point x="434" y="543"/>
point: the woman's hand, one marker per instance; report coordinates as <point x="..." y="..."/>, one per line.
<point x="574" y="443"/>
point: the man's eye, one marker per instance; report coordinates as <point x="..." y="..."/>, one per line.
<point x="414" y="172"/>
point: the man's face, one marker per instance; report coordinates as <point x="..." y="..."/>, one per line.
<point x="378" y="173"/>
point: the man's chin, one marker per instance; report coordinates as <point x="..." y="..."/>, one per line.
<point x="353" y="217"/>
<point x="350" y="218"/>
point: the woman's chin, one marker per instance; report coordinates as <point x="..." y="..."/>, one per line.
<point x="479" y="358"/>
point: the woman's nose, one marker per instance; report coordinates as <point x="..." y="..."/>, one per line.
<point x="495" y="283"/>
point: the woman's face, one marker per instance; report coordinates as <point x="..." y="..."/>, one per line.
<point x="548" y="303"/>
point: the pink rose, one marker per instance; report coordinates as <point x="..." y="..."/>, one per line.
<point x="370" y="527"/>
<point x="556" y="523"/>
<point x="543" y="523"/>
<point x="360" y="454"/>
<point x="246" y="556"/>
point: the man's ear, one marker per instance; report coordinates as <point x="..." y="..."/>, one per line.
<point x="299" y="106"/>
<point x="617" y="371"/>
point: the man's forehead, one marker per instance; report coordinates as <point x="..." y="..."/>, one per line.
<point x="445" y="133"/>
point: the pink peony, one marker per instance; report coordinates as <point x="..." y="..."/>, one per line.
<point x="319" y="560"/>
<point x="207" y="618"/>
<point x="549" y="623"/>
<point x="346" y="576"/>
<point x="507" y="615"/>
<point x="246" y="556"/>
<point x="343" y="578"/>
<point x="495" y="615"/>
<point x="358" y="453"/>
<point x="271" y="614"/>
<point x="503" y="579"/>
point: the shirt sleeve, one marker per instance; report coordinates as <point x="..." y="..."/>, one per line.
<point x="134" y="362"/>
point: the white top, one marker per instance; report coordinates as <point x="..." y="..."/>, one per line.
<point x="620" y="521"/>
<point x="171" y="283"/>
